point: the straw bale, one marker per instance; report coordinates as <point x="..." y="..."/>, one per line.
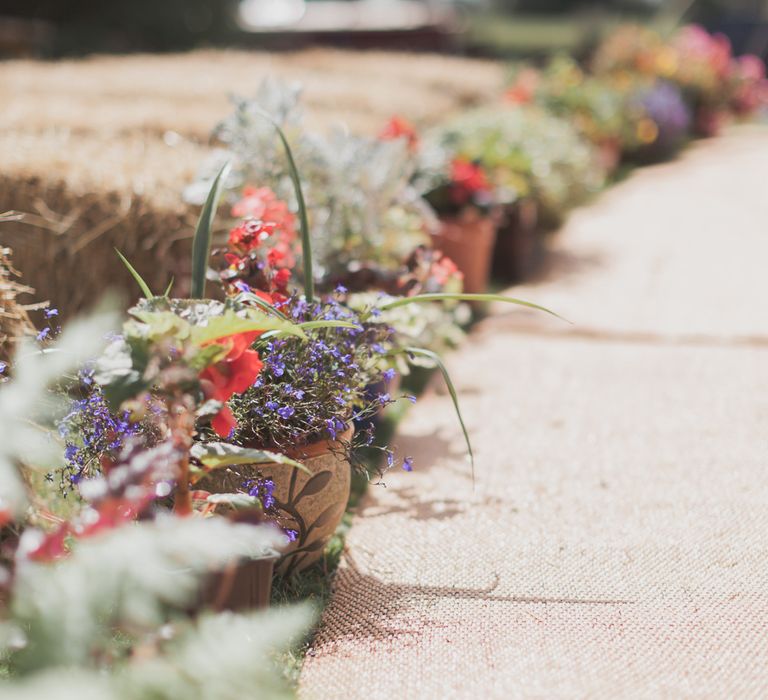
<point x="97" y="151"/>
<point x="14" y="321"/>
<point x="187" y="93"/>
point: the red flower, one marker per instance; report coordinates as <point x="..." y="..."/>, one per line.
<point x="250" y="234"/>
<point x="524" y="88"/>
<point x="231" y="375"/>
<point x="468" y="175"/>
<point x="444" y="269"/>
<point x="280" y="279"/>
<point x="52" y="546"/>
<point x="398" y="128"/>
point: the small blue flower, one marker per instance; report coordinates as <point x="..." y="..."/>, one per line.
<point x="43" y="334"/>
<point x="271" y="405"/>
<point x="291" y="535"/>
<point x="286" y="412"/>
<point x="48" y="313"/>
<point x="408" y="464"/>
<point x="341" y="289"/>
<point x="3" y="367"/>
<point x="389" y="374"/>
<point x="242" y="286"/>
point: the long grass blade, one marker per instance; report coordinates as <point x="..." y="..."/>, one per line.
<point x="312" y="325"/>
<point x="445" y="296"/>
<point x="134" y="273"/>
<point x="201" y="244"/>
<point x="261" y="303"/>
<point x="306" y="241"/>
<point x="454" y="396"/>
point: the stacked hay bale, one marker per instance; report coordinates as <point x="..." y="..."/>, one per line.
<point x="98" y="151"/>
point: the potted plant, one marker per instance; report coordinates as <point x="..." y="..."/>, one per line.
<point x="526" y="155"/>
<point x="168" y="374"/>
<point x="95" y="594"/>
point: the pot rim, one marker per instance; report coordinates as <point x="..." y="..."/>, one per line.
<point x="314" y="449"/>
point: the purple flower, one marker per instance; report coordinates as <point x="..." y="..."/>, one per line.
<point x="291" y="535"/>
<point x="286" y="412"/>
<point x="43" y="334"/>
<point x="389" y="374"/>
<point x="271" y="405"/>
<point x="411" y="398"/>
<point x="408" y="464"/>
<point x="383" y="399"/>
<point x="242" y="286"/>
<point x="3" y="367"/>
<point x="341" y="289"/>
<point x="48" y="313"/>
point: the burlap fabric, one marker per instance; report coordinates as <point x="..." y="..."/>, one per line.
<point x="614" y="543"/>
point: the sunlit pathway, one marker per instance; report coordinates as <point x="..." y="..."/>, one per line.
<point x="615" y="542"/>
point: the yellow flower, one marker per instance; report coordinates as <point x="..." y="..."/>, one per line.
<point x="647" y="131"/>
<point x="666" y="62"/>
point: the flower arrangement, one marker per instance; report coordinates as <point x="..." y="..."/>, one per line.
<point x="715" y="85"/>
<point x="526" y="152"/>
<point x="359" y="203"/>
<point x="664" y="120"/>
<point x="90" y="596"/>
<point x="598" y="106"/>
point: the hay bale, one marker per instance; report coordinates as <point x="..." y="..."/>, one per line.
<point x="98" y="151"/>
<point x="14" y="321"/>
<point x="83" y="196"/>
<point x="188" y="93"/>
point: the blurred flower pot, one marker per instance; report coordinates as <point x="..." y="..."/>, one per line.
<point x="519" y="243"/>
<point x="468" y="240"/>
<point x="609" y="155"/>
<point x="709" y="122"/>
<point x="244" y="585"/>
<point x="311" y="505"/>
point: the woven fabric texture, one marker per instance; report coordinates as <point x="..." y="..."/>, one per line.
<point x="614" y="542"/>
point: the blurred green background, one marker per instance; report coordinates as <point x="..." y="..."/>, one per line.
<point x="508" y="28"/>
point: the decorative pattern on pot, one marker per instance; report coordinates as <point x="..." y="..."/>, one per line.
<point x="310" y="504"/>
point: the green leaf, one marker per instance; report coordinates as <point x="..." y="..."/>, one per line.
<point x="201" y="244"/>
<point x="158" y="324"/>
<point x="306" y="241"/>
<point x="167" y="291"/>
<point x="234" y="500"/>
<point x="444" y="296"/>
<point x="119" y="370"/>
<point x="312" y="325"/>
<point x="258" y="301"/>
<point x="214" y="455"/>
<point x="230" y="323"/>
<point x="139" y="279"/>
<point x="452" y="391"/>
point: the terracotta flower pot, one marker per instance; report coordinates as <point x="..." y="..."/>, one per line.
<point x="709" y="122"/>
<point x="310" y="504"/>
<point x="519" y="243"/>
<point x="468" y="240"/>
<point x="244" y="585"/>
